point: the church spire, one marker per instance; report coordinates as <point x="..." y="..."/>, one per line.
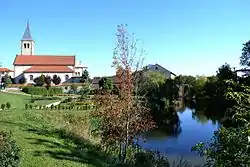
<point x="27" y="35"/>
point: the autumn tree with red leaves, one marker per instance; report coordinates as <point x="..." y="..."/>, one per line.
<point x="123" y="116"/>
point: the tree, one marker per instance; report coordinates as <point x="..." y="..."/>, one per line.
<point x="122" y="117"/>
<point x="230" y="146"/>
<point x="225" y="72"/>
<point x="245" y="56"/>
<point x="56" y="80"/>
<point x="106" y="84"/>
<point x="47" y="81"/>
<point x="85" y="76"/>
<point x="73" y="88"/>
<point x="39" y="81"/>
<point x="7" y="80"/>
<point x="85" y="91"/>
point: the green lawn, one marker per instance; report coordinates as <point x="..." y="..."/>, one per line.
<point x="17" y="101"/>
<point x="50" y="138"/>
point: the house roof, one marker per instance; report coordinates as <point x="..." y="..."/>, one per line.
<point x="5" y="70"/>
<point x="44" y="60"/>
<point x="49" y="69"/>
<point x="27" y="34"/>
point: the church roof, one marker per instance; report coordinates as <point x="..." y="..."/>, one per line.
<point x="44" y="60"/>
<point x="27" y="34"/>
<point x="48" y="69"/>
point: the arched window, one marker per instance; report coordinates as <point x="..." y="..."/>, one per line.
<point x="24" y="45"/>
<point x="31" y="77"/>
<point x="66" y="77"/>
<point x="28" y="45"/>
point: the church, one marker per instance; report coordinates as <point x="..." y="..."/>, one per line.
<point x="28" y="65"/>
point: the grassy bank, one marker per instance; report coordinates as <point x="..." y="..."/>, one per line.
<point x="50" y="138"/>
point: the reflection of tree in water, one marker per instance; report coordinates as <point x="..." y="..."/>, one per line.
<point x="170" y="125"/>
<point x="205" y="110"/>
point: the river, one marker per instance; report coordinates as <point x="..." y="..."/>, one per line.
<point x="194" y="127"/>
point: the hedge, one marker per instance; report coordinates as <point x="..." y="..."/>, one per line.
<point x="42" y="90"/>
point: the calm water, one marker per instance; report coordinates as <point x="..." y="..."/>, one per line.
<point x="193" y="128"/>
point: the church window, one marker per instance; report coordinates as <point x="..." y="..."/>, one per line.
<point x="78" y="73"/>
<point x="24" y="45"/>
<point x="66" y="77"/>
<point x="28" y="45"/>
<point x="31" y="77"/>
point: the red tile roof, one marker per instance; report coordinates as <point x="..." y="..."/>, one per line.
<point x="44" y="60"/>
<point x="49" y="69"/>
<point x="5" y="70"/>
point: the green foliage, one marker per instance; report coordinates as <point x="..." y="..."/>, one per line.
<point x="8" y="105"/>
<point x="231" y="146"/>
<point x="9" y="151"/>
<point x="3" y="106"/>
<point x="56" y="80"/>
<point x="84" y="92"/>
<point x="85" y="76"/>
<point x="39" y="81"/>
<point x="73" y="88"/>
<point x="7" y="80"/>
<point x="225" y="72"/>
<point x="245" y="57"/>
<point x="42" y="90"/>
<point x="106" y="84"/>
<point x="26" y="106"/>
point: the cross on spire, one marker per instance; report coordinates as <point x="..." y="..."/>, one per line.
<point x="27" y="34"/>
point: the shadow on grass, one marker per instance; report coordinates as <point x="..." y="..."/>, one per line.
<point x="72" y="148"/>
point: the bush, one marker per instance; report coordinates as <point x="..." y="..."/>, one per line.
<point x="30" y="106"/>
<point x="40" y="80"/>
<point x="26" y="106"/>
<point x="52" y="107"/>
<point x="9" y="152"/>
<point x="56" y="80"/>
<point x="42" y="90"/>
<point x="8" y="105"/>
<point x="3" y="106"/>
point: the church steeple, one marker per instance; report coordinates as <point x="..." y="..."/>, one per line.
<point x="27" y="42"/>
<point x="27" y="34"/>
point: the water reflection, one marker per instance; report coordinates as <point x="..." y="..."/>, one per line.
<point x="186" y="127"/>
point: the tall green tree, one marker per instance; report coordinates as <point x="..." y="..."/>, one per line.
<point x="106" y="84"/>
<point x="85" y="76"/>
<point x="245" y="56"/>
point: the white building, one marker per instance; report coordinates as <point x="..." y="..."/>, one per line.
<point x="29" y="66"/>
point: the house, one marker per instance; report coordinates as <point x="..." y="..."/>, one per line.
<point x="158" y="68"/>
<point x="95" y="81"/>
<point x="28" y="65"/>
<point x="4" y="71"/>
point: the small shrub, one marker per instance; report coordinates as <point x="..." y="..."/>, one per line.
<point x="30" y="106"/>
<point x="8" y="105"/>
<point x="26" y="106"/>
<point x="9" y="151"/>
<point x="52" y="107"/>
<point x="40" y="107"/>
<point x="32" y="100"/>
<point x="3" y="106"/>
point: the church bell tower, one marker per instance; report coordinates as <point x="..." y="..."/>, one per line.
<point x="27" y="42"/>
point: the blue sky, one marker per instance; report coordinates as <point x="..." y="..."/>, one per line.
<point x="185" y="36"/>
